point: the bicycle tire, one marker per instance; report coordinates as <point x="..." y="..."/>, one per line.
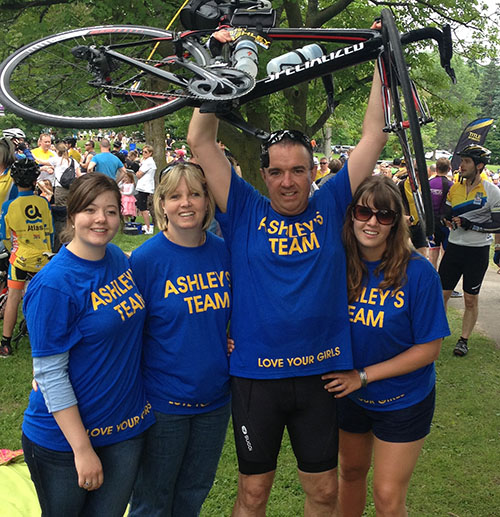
<point x="408" y="131"/>
<point x="64" y="97"/>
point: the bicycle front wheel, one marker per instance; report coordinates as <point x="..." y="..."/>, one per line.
<point x="49" y="81"/>
<point x="406" y="123"/>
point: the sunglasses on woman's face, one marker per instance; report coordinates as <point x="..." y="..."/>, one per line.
<point x="364" y="213"/>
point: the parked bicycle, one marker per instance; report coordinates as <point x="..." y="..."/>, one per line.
<point x="126" y="74"/>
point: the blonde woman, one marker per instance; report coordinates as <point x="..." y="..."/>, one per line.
<point x="183" y="274"/>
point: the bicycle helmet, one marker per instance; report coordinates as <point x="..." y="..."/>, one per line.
<point x="13" y="132"/>
<point x="478" y="153"/>
<point x="24" y="172"/>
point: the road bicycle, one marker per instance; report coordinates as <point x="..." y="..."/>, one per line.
<point x="121" y="75"/>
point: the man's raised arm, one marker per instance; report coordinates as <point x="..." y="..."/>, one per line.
<point x="373" y="139"/>
<point x="202" y="139"/>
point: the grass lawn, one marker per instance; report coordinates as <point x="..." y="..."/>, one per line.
<point x="457" y="475"/>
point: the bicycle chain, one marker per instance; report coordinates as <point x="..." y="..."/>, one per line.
<point x="177" y="94"/>
<point x="169" y="94"/>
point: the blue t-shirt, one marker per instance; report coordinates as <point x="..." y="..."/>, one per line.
<point x="107" y="164"/>
<point x="385" y="324"/>
<point x="93" y="310"/>
<point x="289" y="314"/>
<point x="188" y="300"/>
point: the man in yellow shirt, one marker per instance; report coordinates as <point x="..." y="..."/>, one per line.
<point x="42" y="154"/>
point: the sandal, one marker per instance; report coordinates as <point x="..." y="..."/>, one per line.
<point x="461" y="348"/>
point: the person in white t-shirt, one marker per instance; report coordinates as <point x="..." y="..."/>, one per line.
<point x="145" y="186"/>
<point x="60" y="163"/>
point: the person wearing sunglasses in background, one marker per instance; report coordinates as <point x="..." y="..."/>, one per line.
<point x="398" y="322"/>
<point x="323" y="169"/>
<point x="289" y="321"/>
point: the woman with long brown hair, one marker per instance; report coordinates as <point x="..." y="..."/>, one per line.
<point x="398" y="321"/>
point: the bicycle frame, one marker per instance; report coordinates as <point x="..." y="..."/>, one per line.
<point x="363" y="45"/>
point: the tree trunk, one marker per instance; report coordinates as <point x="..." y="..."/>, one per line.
<point x="154" y="131"/>
<point x="327" y="146"/>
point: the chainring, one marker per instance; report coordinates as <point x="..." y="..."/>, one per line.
<point x="233" y="83"/>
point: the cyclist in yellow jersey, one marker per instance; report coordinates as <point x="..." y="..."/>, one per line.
<point x="473" y="214"/>
<point x="27" y="222"/>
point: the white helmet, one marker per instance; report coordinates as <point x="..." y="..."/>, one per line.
<point x="13" y="132"/>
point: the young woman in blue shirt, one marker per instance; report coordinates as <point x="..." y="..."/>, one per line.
<point x="83" y="429"/>
<point x="398" y="322"/>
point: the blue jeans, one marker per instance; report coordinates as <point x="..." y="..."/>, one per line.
<point x="179" y="463"/>
<point x="56" y="480"/>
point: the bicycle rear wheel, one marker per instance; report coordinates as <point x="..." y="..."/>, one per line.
<point x="46" y="83"/>
<point x="406" y="120"/>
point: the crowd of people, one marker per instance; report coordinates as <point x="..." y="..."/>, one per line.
<point x="317" y="311"/>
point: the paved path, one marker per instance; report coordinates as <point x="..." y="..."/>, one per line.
<point x="489" y="305"/>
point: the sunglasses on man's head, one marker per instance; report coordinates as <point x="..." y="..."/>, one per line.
<point x="278" y="136"/>
<point x="323" y="163"/>
<point x="286" y="134"/>
<point x="364" y="213"/>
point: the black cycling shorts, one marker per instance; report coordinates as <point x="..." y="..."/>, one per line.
<point x="16" y="278"/>
<point x="262" y="408"/>
<point x="466" y="261"/>
<point x="417" y="236"/>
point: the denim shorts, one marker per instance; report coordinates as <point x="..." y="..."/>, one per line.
<point x="399" y="426"/>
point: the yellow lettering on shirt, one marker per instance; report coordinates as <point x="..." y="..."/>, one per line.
<point x="366" y="317"/>
<point x="170" y="288"/>
<point x="400" y="299"/>
<point x="114" y="290"/>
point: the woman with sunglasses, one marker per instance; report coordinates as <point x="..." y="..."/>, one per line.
<point x="183" y="274"/>
<point x="398" y="322"/>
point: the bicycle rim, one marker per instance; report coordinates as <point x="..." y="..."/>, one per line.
<point x="406" y="122"/>
<point x="44" y="82"/>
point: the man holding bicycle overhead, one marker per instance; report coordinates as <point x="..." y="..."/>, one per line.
<point x="290" y="318"/>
